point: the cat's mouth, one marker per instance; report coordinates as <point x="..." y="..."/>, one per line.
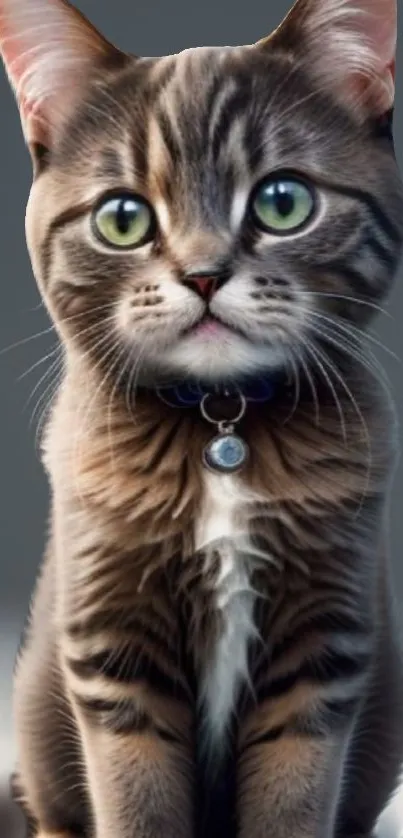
<point x="211" y="326"/>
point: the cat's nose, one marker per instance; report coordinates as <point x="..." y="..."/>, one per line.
<point x="205" y="283"/>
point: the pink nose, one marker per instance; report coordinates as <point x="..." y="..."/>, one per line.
<point x="204" y="286"/>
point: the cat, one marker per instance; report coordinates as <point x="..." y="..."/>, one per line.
<point x="212" y="647"/>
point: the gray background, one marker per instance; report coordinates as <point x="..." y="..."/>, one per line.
<point x="156" y="27"/>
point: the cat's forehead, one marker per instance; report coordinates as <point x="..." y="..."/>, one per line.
<point x="199" y="80"/>
<point x="215" y="101"/>
<point x="199" y="126"/>
<point x="185" y="94"/>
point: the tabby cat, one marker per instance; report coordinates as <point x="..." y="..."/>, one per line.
<point x="211" y="648"/>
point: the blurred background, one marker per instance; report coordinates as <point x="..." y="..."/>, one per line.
<point x="28" y="364"/>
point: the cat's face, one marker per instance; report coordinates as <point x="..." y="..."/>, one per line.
<point x="207" y="214"/>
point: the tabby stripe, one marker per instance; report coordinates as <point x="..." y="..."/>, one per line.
<point x="163" y="80"/>
<point x="123" y="717"/>
<point x="129" y="666"/>
<point x="326" y="668"/>
<point x="384" y="255"/>
<point x="169" y="136"/>
<point x="97" y="705"/>
<point x="342" y="268"/>
<point x="162" y="450"/>
<point x="215" y="101"/>
<point x="129" y="628"/>
<point x="336" y="712"/>
<point x="340" y="605"/>
<point x="110" y="165"/>
<point x="272" y="735"/>
<point x="232" y="107"/>
<point x="324" y="624"/>
<point x="332" y="715"/>
<point x="379" y="214"/>
<point x="64" y="219"/>
<point x="119" y="716"/>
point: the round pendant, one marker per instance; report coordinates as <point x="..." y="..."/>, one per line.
<point x="226" y="453"/>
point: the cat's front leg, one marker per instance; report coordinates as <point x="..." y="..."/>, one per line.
<point x="293" y="744"/>
<point x="137" y="746"/>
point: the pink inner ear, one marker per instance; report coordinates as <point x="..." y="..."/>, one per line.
<point x="350" y="44"/>
<point x="49" y="48"/>
<point x="16" y="59"/>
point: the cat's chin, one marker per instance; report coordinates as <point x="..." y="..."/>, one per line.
<point x="224" y="355"/>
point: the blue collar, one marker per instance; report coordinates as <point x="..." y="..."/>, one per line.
<point x="191" y="393"/>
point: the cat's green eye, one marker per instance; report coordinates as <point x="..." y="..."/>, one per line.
<point x="283" y="205"/>
<point x="124" y="221"/>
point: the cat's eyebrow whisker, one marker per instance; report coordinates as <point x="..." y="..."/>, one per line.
<point x="104" y="115"/>
<point x="274" y="132"/>
<point x="106" y="94"/>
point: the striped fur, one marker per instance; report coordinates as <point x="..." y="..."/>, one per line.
<point x="209" y="656"/>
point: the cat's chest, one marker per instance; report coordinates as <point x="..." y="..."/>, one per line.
<point x="221" y="533"/>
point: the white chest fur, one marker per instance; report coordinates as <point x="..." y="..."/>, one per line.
<point x="223" y="520"/>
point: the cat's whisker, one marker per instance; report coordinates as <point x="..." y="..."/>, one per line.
<point x="96" y="341"/>
<point x="41" y="361"/>
<point x="50" y="394"/>
<point x="87" y="313"/>
<point x="353" y="331"/>
<point x="341" y="379"/>
<point x="336" y="373"/>
<point x="55" y="374"/>
<point x="80" y="421"/>
<point x="134" y="378"/>
<point x="93" y="330"/>
<point x="343" y="331"/>
<point x="346" y="298"/>
<point x="316" y="355"/>
<point x="112" y="393"/>
<point x="350" y="346"/>
<point x="23" y="341"/>
<point x="48" y="372"/>
<point x="295" y="371"/>
<point x="52" y="328"/>
<point x="312" y="386"/>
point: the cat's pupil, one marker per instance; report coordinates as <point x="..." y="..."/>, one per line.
<point x="284" y="200"/>
<point x="125" y="215"/>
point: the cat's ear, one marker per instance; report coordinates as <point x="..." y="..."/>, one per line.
<point x="350" y="44"/>
<point x="48" y="49"/>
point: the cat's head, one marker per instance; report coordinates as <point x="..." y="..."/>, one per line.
<point x="216" y="213"/>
